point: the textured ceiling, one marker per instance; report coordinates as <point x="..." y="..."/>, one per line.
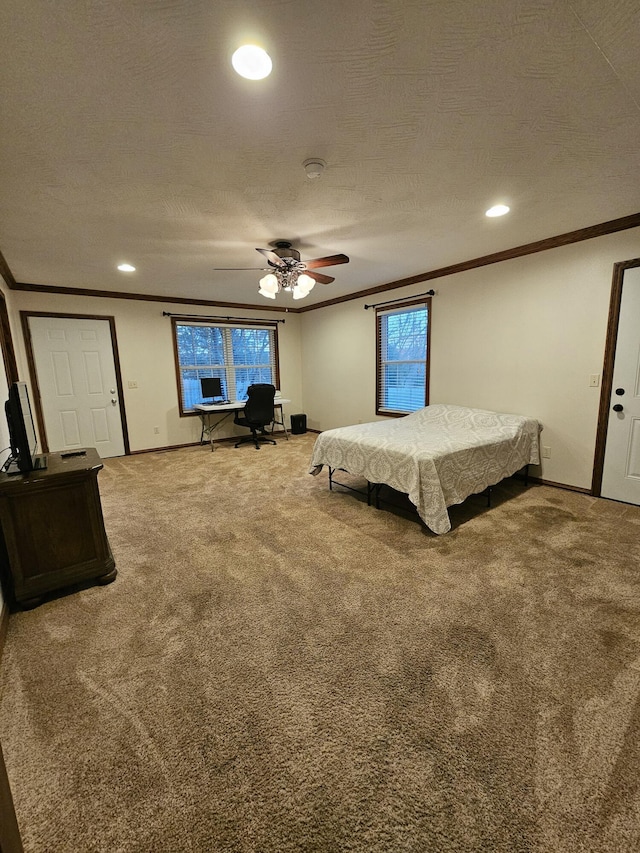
<point x="126" y="135"/>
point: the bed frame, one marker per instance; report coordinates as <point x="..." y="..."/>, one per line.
<point x="373" y="489"/>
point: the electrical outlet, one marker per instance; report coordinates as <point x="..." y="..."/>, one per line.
<point x="546" y="452"/>
<point x="594" y="380"/>
<point x="132" y="383"/>
<point x="156" y="430"/>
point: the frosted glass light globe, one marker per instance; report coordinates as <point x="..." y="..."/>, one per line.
<point x="306" y="283"/>
<point x="269" y="283"/>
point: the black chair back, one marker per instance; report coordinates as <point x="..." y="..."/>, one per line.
<point x="259" y="406"/>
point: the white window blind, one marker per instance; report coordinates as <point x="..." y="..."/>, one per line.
<point x="238" y="355"/>
<point x="403" y="358"/>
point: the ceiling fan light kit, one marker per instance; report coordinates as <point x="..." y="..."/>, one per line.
<point x="299" y="284"/>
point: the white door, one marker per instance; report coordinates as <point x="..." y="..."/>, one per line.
<point x="621" y="474"/>
<point x="77" y="378"/>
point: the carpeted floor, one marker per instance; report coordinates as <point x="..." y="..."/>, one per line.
<point x="281" y="668"/>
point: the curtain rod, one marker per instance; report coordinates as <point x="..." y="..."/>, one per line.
<point x="210" y="317"/>
<point x="401" y="299"/>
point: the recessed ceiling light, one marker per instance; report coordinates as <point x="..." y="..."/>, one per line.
<point x="252" y="62"/>
<point x="126" y="268"/>
<point x="497" y="210"/>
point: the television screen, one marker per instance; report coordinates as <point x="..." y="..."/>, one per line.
<point x="22" y="432"/>
<point x="211" y="387"/>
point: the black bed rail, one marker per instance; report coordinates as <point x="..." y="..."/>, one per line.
<point x="367" y="494"/>
<point x="373" y="489"/>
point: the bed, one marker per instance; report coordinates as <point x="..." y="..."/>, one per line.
<point x="438" y="455"/>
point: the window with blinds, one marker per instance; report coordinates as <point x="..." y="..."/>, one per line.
<point x="238" y="355"/>
<point x="402" y="374"/>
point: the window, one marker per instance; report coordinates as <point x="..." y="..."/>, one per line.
<point x="237" y="354"/>
<point x="402" y="344"/>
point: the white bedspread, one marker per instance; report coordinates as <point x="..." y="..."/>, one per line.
<point x="438" y="455"/>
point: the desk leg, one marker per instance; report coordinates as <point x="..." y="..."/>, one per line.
<point x="281" y="421"/>
<point x="210" y="431"/>
<point x="209" y="428"/>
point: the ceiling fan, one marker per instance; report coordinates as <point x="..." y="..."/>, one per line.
<point x="287" y="272"/>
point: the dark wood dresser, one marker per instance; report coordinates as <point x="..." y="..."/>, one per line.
<point x="52" y="528"/>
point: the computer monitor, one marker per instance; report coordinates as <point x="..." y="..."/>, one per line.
<point x="211" y="386"/>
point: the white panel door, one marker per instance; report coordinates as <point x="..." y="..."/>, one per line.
<point x="77" y="378"/>
<point x="621" y="474"/>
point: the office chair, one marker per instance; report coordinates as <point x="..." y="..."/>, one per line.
<point x="257" y="413"/>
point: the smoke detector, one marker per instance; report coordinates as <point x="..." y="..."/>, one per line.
<point x="314" y="168"/>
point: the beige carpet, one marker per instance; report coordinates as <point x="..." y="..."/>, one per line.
<point x="281" y="668"/>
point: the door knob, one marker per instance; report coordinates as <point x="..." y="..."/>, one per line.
<point x="114" y="401"/>
<point x="619" y="391"/>
<point x="618" y="407"/>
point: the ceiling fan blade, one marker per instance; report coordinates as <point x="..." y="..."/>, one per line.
<point x="329" y="261"/>
<point x="321" y="278"/>
<point x="226" y="269"/>
<point x="272" y="257"/>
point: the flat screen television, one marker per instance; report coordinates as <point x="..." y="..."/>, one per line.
<point x="22" y="432"/>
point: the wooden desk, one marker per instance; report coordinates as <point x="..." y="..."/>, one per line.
<point x="52" y="529"/>
<point x="209" y="426"/>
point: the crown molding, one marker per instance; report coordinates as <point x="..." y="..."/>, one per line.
<point x="610" y="227"/>
<point x="6" y="273"/>
<point x="144" y="297"/>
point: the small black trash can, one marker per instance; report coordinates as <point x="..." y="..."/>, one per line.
<point x="298" y="424"/>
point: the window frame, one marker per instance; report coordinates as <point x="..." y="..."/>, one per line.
<point x="220" y="323"/>
<point x="382" y="311"/>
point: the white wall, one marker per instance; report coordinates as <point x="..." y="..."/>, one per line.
<point x="521" y="336"/>
<point x="146" y="352"/>
<point x="338" y="365"/>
